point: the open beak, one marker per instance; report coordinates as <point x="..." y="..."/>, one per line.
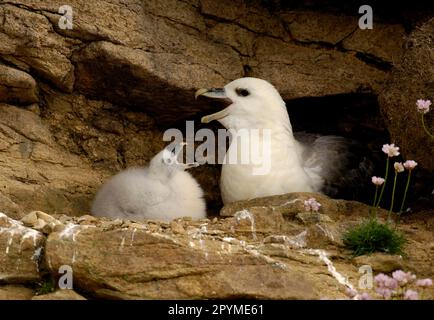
<point x="191" y="165"/>
<point x="214" y="93"/>
<point x="186" y="166"/>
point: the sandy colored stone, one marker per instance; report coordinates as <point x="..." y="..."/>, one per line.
<point x="384" y="41"/>
<point x="315" y="27"/>
<point x="41" y="221"/>
<point x="410" y="80"/>
<point x="17" y="86"/>
<point x="109" y="90"/>
<point x="27" y="39"/>
<point x="15" y="292"/>
<point x="161" y="266"/>
<point x="381" y="263"/>
<point x="176" y="75"/>
<point x="66" y="294"/>
<point x="259" y="252"/>
<point x="20" y="251"/>
<point x="36" y="168"/>
<point x="309" y="72"/>
<point x="262" y="250"/>
<point x="177" y="227"/>
<point x="312" y="217"/>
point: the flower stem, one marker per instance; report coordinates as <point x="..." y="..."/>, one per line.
<point x="425" y="128"/>
<point x="405" y="192"/>
<point x="374" y="208"/>
<point x="393" y="196"/>
<point x="384" y="184"/>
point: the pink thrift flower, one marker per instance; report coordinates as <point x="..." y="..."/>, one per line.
<point x="398" y="167"/>
<point x="424" y="282"/>
<point x="377" y="181"/>
<point x="351" y="293"/>
<point x="411" y="295"/>
<point x="423" y="105"/>
<point x="403" y="277"/>
<point x="410" y="164"/>
<point x="380" y="279"/>
<point x="385" y="282"/>
<point x="311" y="204"/>
<point x="391" y="284"/>
<point x="391" y="150"/>
<point x="384" y="292"/>
<point x="365" y="296"/>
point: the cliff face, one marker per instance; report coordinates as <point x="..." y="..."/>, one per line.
<point x="268" y="248"/>
<point x="77" y="105"/>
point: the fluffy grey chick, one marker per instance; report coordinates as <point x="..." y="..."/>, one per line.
<point x="162" y="191"/>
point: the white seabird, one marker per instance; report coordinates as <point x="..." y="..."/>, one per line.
<point x="162" y="191"/>
<point x="310" y="163"/>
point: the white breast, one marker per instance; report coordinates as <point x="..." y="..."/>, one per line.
<point x="285" y="174"/>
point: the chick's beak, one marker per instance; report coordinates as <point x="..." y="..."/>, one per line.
<point x="178" y="150"/>
<point x="214" y="93"/>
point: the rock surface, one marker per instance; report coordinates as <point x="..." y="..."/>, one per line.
<point x="78" y="105"/>
<point x="17" y="86"/>
<point x="257" y="249"/>
<point x="20" y="252"/>
<point x="15" y="292"/>
<point x="95" y="99"/>
<point x="412" y="79"/>
<point x="66" y="294"/>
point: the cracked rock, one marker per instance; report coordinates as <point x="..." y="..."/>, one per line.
<point x="17" y="86"/>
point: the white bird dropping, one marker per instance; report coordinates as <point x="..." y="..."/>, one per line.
<point x="161" y="191"/>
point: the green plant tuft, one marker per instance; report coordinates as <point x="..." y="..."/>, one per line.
<point x="46" y="286"/>
<point x="372" y="236"/>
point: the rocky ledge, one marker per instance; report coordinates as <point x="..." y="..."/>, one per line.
<point x="267" y="248"/>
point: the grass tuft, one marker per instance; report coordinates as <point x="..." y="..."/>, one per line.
<point x="372" y="236"/>
<point x="46" y="286"/>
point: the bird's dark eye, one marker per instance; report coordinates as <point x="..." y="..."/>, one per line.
<point x="242" y="92"/>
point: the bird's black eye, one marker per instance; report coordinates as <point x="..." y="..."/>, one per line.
<point x="242" y="92"/>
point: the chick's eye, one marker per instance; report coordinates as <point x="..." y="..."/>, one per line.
<point x="242" y="92"/>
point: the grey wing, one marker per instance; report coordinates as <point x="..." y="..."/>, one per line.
<point x="342" y="163"/>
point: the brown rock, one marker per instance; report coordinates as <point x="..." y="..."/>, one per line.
<point x="310" y="72"/>
<point x="262" y="251"/>
<point x="36" y="168"/>
<point x="385" y="42"/>
<point x="17" y="86"/>
<point x="14" y="292"/>
<point x="249" y="15"/>
<point x="312" y="217"/>
<point x="29" y="41"/>
<point x="41" y="221"/>
<point x="151" y="60"/>
<point x="309" y="26"/>
<point x="235" y="36"/>
<point x="150" y="56"/>
<point x="380" y="262"/>
<point x="66" y="294"/>
<point x="410" y="80"/>
<point x="289" y="204"/>
<point x="162" y="266"/>
<point x="102" y="66"/>
<point x="20" y="251"/>
<point x="24" y="123"/>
